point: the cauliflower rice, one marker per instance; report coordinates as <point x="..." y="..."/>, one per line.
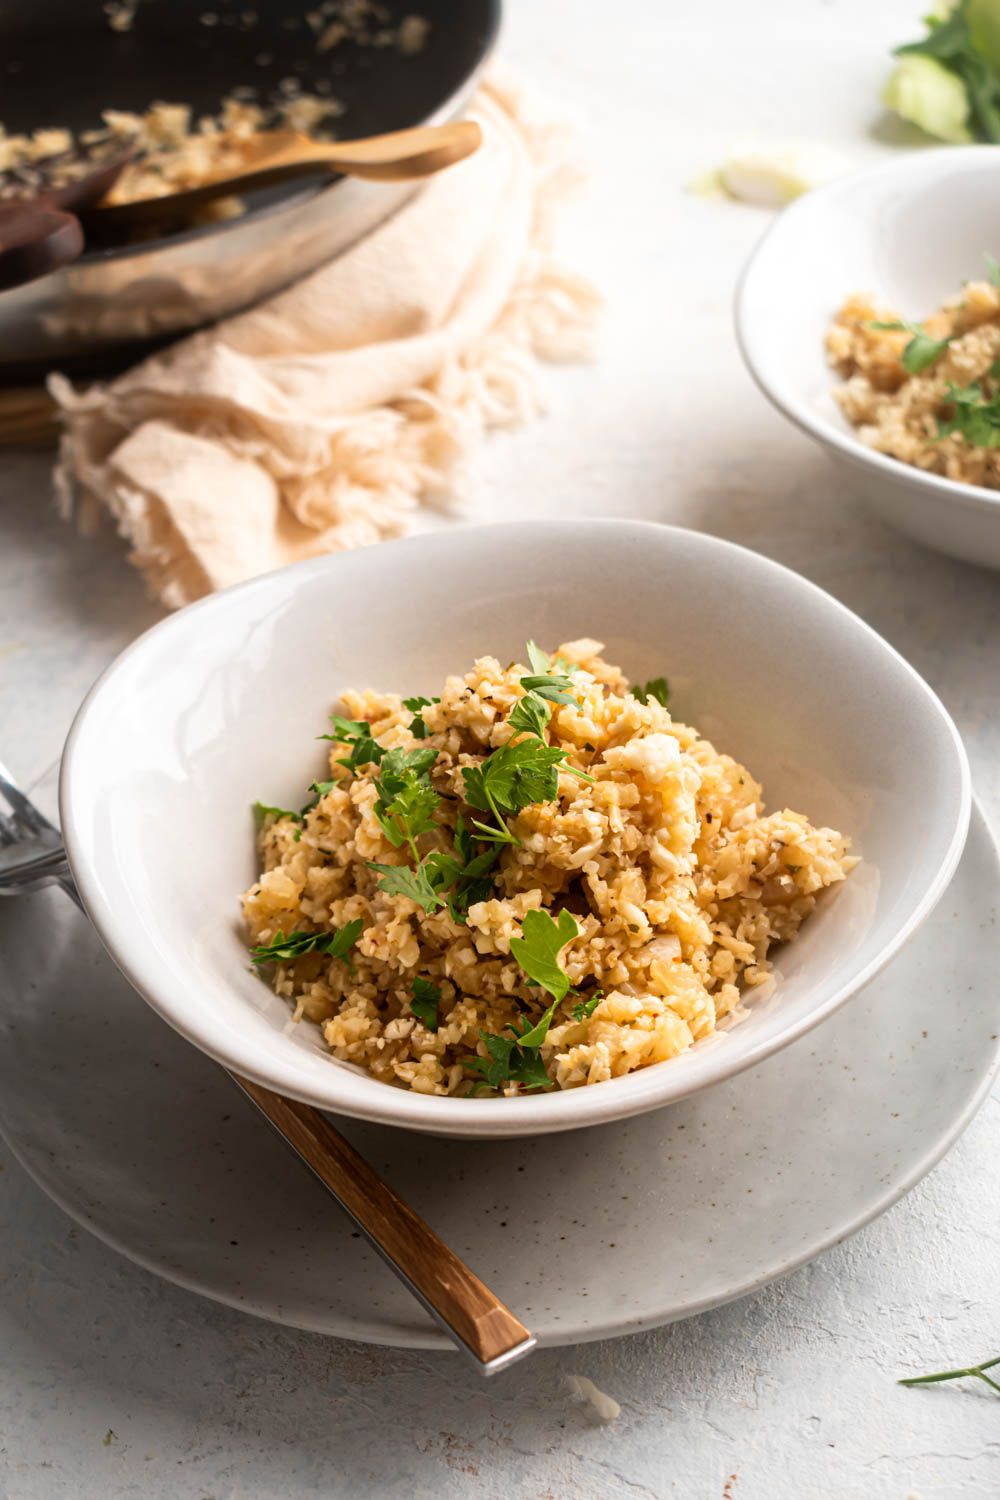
<point x="678" y="881"/>
<point x="901" y="413"/>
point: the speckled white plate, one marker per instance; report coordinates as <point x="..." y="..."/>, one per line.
<point x="596" y="1232"/>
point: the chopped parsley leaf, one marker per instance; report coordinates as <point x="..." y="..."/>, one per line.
<point x="551" y="685"/>
<point x="516" y="1058"/>
<point x="261" y="812"/>
<point x="357" y="733"/>
<point x="530" y="715"/>
<point x="546" y="679"/>
<point x="406" y="798"/>
<point x="537" y="950"/>
<point x="992" y="269"/>
<point x="509" y="1061"/>
<point x="424" y="1004"/>
<point x="417" y="726"/>
<point x="473" y="881"/>
<point x="514" y="776"/>
<point x="657" y="687"/>
<point x="319" y="789"/>
<point x="975" y="416"/>
<point x="400" y="880"/>
<point x="921" y="351"/>
<point x="539" y="659"/>
<point x="336" y="944"/>
<point x="584" y="1009"/>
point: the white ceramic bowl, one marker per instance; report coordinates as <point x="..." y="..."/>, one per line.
<point x="221" y="704"/>
<point x="909" y="232"/>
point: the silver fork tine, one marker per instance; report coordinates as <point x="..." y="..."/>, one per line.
<point x="25" y="813"/>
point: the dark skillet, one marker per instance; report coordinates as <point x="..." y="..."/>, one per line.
<point x="61" y="64"/>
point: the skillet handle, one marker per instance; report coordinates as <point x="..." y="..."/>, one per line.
<point x="34" y="240"/>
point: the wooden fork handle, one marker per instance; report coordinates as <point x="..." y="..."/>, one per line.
<point x="454" y="1296"/>
<point x="35" y="238"/>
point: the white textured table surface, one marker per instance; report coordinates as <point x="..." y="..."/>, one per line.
<point x="114" y="1384"/>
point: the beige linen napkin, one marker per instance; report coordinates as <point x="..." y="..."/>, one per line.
<point x="322" y="418"/>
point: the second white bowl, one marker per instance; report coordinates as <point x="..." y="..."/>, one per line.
<point x="910" y="232"/>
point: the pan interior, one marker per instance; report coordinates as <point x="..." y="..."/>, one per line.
<point x="63" y="64"/>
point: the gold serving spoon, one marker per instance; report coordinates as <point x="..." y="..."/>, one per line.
<point x="270" y="156"/>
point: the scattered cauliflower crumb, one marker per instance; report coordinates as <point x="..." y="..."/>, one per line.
<point x="603" y="1408"/>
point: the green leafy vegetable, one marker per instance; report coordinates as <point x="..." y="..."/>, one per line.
<point x="406" y="798"/>
<point x="515" y="776"/>
<point x="261" y="812"/>
<point x="400" y="880"/>
<point x="416" y="706"/>
<point x="319" y="789"/>
<point x="537" y="950"/>
<point x="657" y="688"/>
<point x="983" y="19"/>
<point x="509" y="1061"/>
<point x="522" y="774"/>
<point x="976" y="416"/>
<point x="992" y="270"/>
<point x="336" y="944"/>
<point x="977" y="1372"/>
<point x="921" y="351"/>
<point x="530" y="715"/>
<point x="365" y="750"/>
<point x="555" y="686"/>
<point x="474" y="882"/>
<point x="425" y="1001"/>
<point x="948" y="83"/>
<point x="516" y="1058"/>
<point x="546" y="679"/>
<point x="584" y="1009"/>
<point x="539" y="659"/>
<point x="929" y="94"/>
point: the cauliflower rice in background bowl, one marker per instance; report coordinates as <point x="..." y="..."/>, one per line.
<point x="904" y="236"/>
<point x="217" y="707"/>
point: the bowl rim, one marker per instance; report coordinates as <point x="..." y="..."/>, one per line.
<point x="752" y="337"/>
<point x="645" y="1089"/>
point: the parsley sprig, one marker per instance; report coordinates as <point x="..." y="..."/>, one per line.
<point x="977" y="1372"/>
<point x="515" y="776"/>
<point x="656" y="687"/>
<point x="922" y="350"/>
<point x="405" y="809"/>
<point x="336" y="944"/>
<point x="546" y="678"/>
<point x="976" y="416"/>
<point x="538" y="948"/>
<point x="406" y="799"/>
<point x="262" y="811"/>
<point x="509" y="1062"/>
<point x="357" y="733"/>
<point x="425" y="1001"/>
<point x="584" y="1009"/>
<point x="473" y="880"/>
<point x="517" y="1058"/>
<point x="526" y="769"/>
<point x="416" y="706"/>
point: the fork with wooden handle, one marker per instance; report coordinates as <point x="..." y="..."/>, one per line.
<point x="469" y="1313"/>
